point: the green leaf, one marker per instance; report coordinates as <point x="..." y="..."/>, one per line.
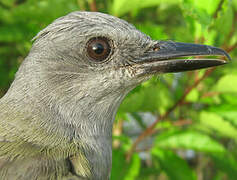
<point x="153" y="30"/>
<point x="121" y="7"/>
<point x="10" y="34"/>
<point x="174" y="166"/>
<point x="133" y="102"/>
<point x="218" y="124"/>
<point x="209" y="6"/>
<point x="235" y="4"/>
<point x="134" y="168"/>
<point x="227" y="83"/>
<point x="225" y="17"/>
<point x="139" y="120"/>
<point x="231" y="116"/>
<point x="8" y="3"/>
<point x="151" y="97"/>
<point x="121" y="170"/>
<point x="193" y="96"/>
<point x="227" y="163"/>
<point x="197" y="13"/>
<point x="188" y="140"/>
<point x="227" y="110"/>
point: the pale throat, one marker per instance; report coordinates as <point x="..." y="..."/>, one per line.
<point x="92" y="127"/>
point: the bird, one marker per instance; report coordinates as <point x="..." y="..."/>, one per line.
<point x="56" y="118"/>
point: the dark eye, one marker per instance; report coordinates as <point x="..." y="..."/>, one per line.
<point x="98" y="49"/>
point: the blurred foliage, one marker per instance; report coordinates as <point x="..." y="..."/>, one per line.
<point x="197" y="139"/>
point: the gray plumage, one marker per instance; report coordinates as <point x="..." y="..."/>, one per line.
<point x="62" y="104"/>
<point x="56" y="119"/>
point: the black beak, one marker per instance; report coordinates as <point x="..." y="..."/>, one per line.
<point x="165" y="57"/>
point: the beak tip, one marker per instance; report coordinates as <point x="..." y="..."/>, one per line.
<point x="220" y="61"/>
<point x="228" y="57"/>
<point x="223" y="62"/>
<point x="223" y="53"/>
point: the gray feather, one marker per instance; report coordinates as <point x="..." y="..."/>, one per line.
<point x="56" y="119"/>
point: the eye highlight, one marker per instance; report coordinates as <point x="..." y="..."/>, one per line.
<point x="98" y="48"/>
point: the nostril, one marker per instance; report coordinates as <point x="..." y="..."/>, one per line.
<point x="156" y="47"/>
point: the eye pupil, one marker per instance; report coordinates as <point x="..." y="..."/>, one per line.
<point x="98" y="49"/>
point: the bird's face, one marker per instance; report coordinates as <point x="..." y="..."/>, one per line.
<point x="110" y="55"/>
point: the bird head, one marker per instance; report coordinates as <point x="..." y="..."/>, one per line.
<point x="82" y="65"/>
<point x="109" y="55"/>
